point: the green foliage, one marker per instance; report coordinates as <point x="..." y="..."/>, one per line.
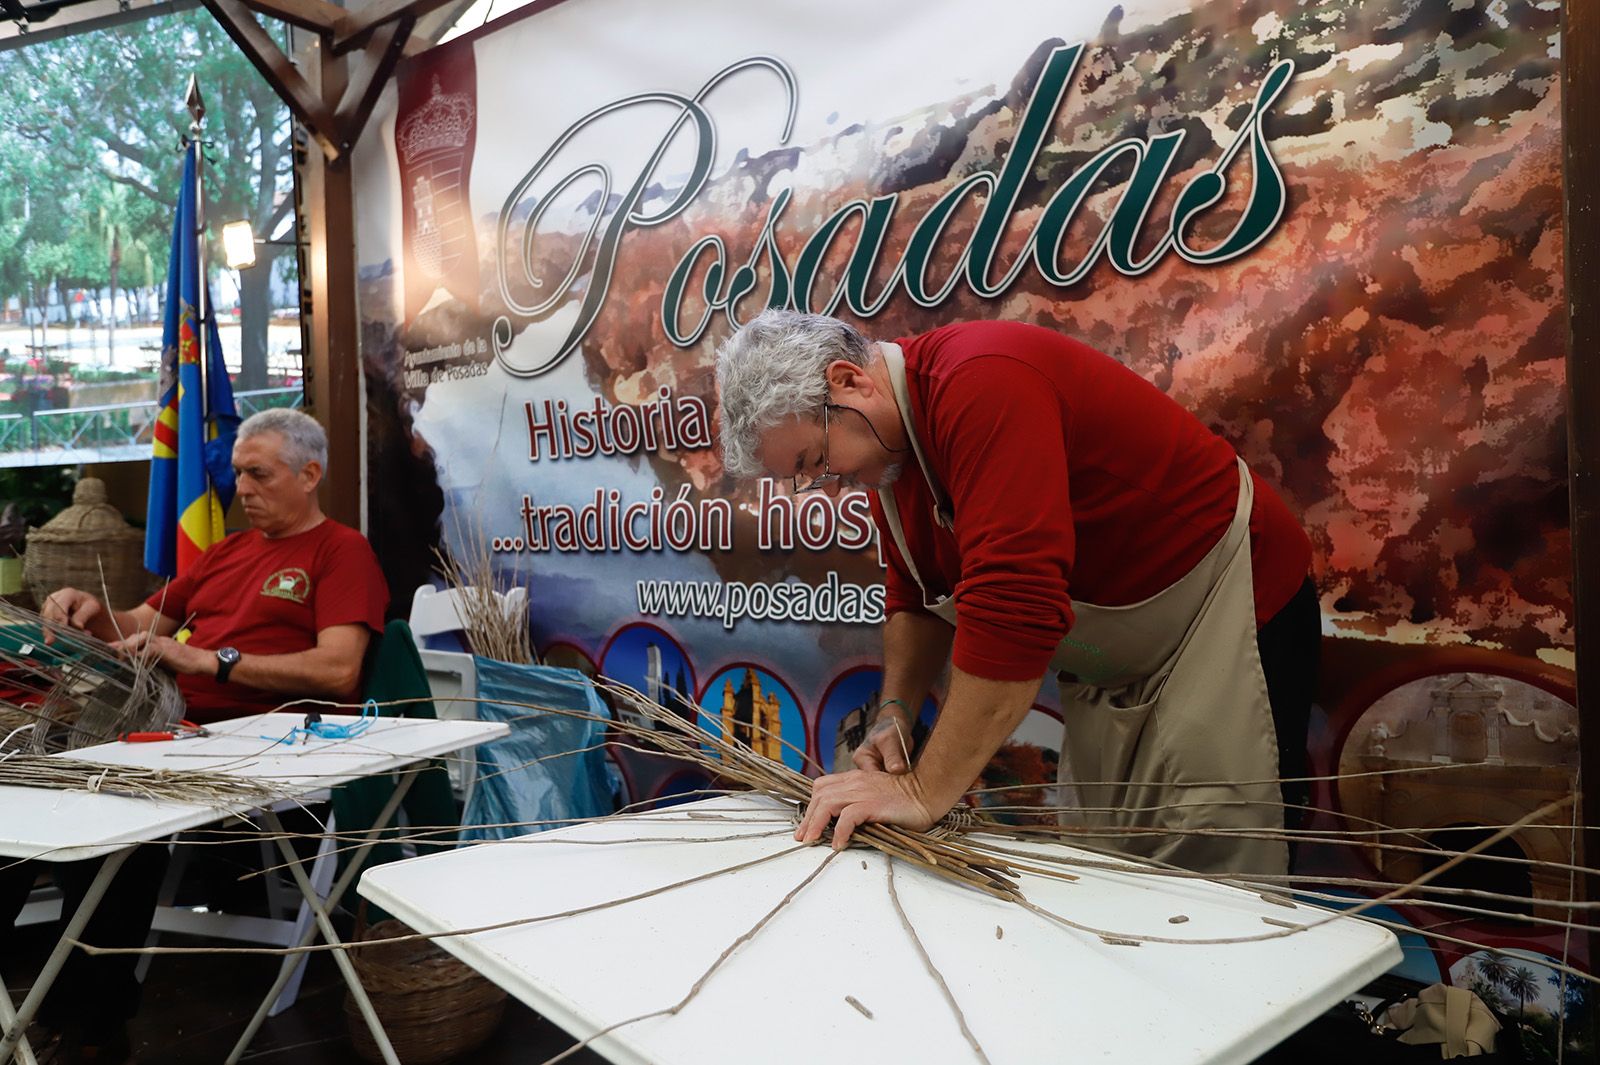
<point x="40" y="492"/>
<point x="89" y="141"/>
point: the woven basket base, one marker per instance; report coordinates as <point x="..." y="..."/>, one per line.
<point x="433" y="1008"/>
<point x="423" y="1043"/>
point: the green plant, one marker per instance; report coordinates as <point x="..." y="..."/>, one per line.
<point x="40" y="492"/>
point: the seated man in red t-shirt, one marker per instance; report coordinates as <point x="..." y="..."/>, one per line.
<point x="281" y="611"/>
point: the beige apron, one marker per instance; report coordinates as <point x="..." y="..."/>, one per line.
<point x="1155" y="694"/>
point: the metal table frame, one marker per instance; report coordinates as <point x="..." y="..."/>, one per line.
<point x="16" y="1019"/>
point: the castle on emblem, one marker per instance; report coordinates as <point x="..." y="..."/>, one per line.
<point x="432" y="142"/>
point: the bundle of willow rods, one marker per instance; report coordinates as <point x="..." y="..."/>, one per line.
<point x="491" y="632"/>
<point x="939" y="851"/>
<point x="70" y="690"/>
<point x="23" y="769"/>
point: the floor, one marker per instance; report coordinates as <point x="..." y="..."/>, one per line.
<point x="179" y="1025"/>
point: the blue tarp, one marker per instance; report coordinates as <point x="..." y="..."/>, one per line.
<point x="512" y="786"/>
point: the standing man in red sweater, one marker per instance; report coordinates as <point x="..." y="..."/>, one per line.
<point x="1044" y="510"/>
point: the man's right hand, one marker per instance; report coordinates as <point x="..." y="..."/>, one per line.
<point x="887" y="746"/>
<point x="69" y="606"/>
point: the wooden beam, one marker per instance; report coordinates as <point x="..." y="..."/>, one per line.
<point x="367" y="72"/>
<point x="264" y="53"/>
<point x="356" y="24"/>
<point x="317" y="15"/>
<point x="333" y="395"/>
<point x="87" y="16"/>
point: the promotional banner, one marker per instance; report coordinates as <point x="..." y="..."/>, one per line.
<point x="1332" y="231"/>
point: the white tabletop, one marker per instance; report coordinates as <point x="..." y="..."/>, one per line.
<point x="61" y="826"/>
<point x="1036" y="992"/>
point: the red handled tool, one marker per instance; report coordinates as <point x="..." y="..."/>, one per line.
<point x="185" y="730"/>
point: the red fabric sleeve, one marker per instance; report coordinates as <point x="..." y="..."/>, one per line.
<point x="998" y="429"/>
<point x="172" y="599"/>
<point x="900" y="590"/>
<point x="351" y="589"/>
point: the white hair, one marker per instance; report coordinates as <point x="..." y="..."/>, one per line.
<point x="304" y="440"/>
<point x="773" y="369"/>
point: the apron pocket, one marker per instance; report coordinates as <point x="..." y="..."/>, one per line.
<point x="1102" y="744"/>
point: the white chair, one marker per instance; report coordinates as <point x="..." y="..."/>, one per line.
<point x="452" y="675"/>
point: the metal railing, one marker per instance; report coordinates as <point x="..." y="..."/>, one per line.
<point x="113" y="425"/>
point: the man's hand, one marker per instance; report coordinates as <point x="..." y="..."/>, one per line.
<point x="887" y="745"/>
<point x="71" y="607"/>
<point x="862" y="797"/>
<point x="178" y="657"/>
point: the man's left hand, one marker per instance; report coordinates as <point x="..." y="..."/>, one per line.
<point x="178" y="657"/>
<point x="864" y="796"/>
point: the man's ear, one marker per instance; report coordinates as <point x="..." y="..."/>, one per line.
<point x="847" y="380"/>
<point x="311" y="475"/>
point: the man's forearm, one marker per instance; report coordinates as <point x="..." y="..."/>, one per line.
<point x="915" y="650"/>
<point x="301" y="673"/>
<point x="978" y="716"/>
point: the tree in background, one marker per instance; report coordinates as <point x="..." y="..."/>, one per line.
<point x="90" y="135"/>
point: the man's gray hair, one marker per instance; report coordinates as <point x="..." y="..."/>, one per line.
<point x="304" y="440"/>
<point x="773" y="369"/>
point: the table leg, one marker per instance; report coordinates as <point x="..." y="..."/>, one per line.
<point x="17" y="1026"/>
<point x="8" y="1014"/>
<point x="368" y="840"/>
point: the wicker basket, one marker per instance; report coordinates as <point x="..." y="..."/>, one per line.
<point x="433" y="1007"/>
<point x="72" y="549"/>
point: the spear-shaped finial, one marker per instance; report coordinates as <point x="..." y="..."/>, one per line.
<point x="193" y="101"/>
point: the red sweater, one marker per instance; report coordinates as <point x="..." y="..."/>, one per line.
<point x="1070" y="476"/>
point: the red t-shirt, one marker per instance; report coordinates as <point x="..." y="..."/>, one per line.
<point x="1070" y="476"/>
<point x="271" y="597"/>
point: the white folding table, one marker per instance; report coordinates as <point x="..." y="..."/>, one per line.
<point x="66" y="826"/>
<point x="835" y="976"/>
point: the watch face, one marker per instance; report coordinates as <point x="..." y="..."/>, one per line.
<point x="230" y="655"/>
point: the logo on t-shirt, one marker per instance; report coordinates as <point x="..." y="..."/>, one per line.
<point x="292" y="584"/>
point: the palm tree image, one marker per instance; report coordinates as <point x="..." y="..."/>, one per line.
<point x="1522" y="982"/>
<point x="1495" y="969"/>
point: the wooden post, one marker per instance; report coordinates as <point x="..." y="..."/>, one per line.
<point x="333" y="385"/>
<point x="1580" y="95"/>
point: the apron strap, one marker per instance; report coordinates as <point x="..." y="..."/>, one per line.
<point x="942" y="513"/>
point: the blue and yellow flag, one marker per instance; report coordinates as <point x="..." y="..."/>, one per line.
<point x="191" y="466"/>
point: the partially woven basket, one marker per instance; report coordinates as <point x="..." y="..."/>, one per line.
<point x="433" y="1008"/>
<point x="72" y="549"/>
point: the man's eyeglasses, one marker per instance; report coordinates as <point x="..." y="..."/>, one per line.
<point x="801" y="483"/>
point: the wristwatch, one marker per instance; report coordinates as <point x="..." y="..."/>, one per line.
<point x="227" y="658"/>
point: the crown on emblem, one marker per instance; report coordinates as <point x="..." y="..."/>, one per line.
<point x="441" y="124"/>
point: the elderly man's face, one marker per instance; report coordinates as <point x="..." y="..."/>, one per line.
<point x="848" y="453"/>
<point x="276" y="497"/>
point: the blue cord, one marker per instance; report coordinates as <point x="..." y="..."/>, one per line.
<point x="327" y="730"/>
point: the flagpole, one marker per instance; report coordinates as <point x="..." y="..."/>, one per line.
<point x="197" y="111"/>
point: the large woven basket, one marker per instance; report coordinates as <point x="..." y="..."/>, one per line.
<point x="433" y="1008"/>
<point x="88" y="546"/>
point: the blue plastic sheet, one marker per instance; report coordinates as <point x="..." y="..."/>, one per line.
<point x="511" y="786"/>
